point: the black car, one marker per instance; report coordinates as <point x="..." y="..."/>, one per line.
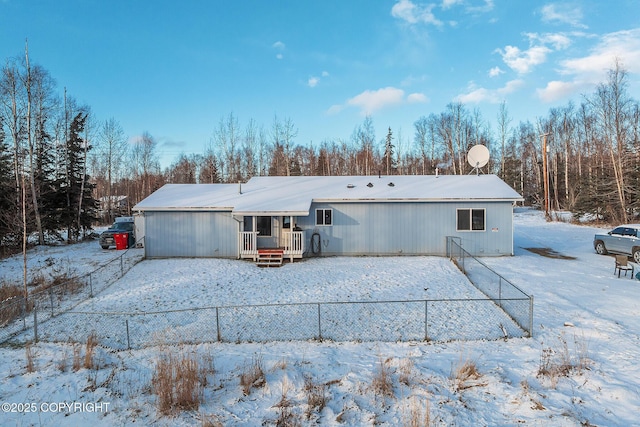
<point x="107" y="240"/>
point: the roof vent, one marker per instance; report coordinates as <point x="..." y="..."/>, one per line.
<point x="350" y="186"/>
<point x="391" y="184"/>
<point x="369" y="185"/>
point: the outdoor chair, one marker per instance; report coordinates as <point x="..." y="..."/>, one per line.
<point x="622" y="264"/>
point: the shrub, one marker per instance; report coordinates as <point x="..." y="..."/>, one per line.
<point x="177" y="384"/>
<point x="557" y="360"/>
<point x="252" y="375"/>
<point x="465" y="375"/>
<point x="382" y="383"/>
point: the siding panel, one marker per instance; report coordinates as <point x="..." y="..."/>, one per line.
<point x="191" y="234"/>
<point x="409" y="228"/>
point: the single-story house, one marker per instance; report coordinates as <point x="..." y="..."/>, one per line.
<point x="330" y="215"/>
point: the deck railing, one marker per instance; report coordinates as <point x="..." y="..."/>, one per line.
<point x="294" y="243"/>
<point x="247" y="243"/>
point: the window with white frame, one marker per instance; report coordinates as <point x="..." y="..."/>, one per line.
<point x="470" y="219"/>
<point x="324" y="216"/>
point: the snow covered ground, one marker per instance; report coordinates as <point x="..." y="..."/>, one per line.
<point x="586" y="343"/>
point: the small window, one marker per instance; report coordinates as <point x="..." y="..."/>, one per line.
<point x="470" y="219"/>
<point x="286" y="222"/>
<point x="248" y="223"/>
<point x="324" y="216"/>
<point x="264" y="226"/>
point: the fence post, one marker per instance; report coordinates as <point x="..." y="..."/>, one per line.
<point x="426" y="320"/>
<point x="319" y="324"/>
<point x="51" y="298"/>
<point x="500" y="290"/>
<point x="218" y="324"/>
<point x="121" y="266"/>
<point x="90" y="285"/>
<point x="126" y="322"/>
<point x="35" y="323"/>
<point x="531" y="316"/>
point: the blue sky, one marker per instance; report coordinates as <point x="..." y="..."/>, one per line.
<point x="176" y="68"/>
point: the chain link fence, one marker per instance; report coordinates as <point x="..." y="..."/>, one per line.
<point x="505" y="312"/>
<point x="47" y="301"/>
<point x="510" y="298"/>
<point x="418" y="320"/>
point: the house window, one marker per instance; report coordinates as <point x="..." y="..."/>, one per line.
<point x="470" y="219"/>
<point x="286" y="222"/>
<point x="264" y="226"/>
<point x="248" y="223"/>
<point x="324" y="216"/>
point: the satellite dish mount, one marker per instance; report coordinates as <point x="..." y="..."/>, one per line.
<point x="478" y="157"/>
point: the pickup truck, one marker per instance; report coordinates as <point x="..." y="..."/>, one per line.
<point x="122" y="225"/>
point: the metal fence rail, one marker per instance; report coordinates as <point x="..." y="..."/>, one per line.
<point x="505" y="312"/>
<point x="504" y="293"/>
<point x="18" y="315"/>
<point x="417" y="320"/>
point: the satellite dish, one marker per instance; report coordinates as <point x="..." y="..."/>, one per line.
<point x="478" y="156"/>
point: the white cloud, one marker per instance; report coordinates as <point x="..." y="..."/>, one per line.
<point x="567" y="13"/>
<point x="477" y="95"/>
<point x="495" y="72"/>
<point x="621" y="45"/>
<point x="371" y="101"/>
<point x="556" y="90"/>
<point x="585" y="72"/>
<point x="417" y="98"/>
<point x="522" y="61"/>
<point x="558" y="41"/>
<point x="279" y="46"/>
<point x="414" y="14"/>
<point x="313" y="81"/>
<point x="446" y="4"/>
<point x="486" y="7"/>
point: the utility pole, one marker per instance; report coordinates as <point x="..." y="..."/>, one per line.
<point x="545" y="175"/>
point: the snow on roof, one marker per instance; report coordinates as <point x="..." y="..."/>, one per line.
<point x="294" y="195"/>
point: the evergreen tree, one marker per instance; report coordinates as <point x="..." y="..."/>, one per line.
<point x="8" y="226"/>
<point x="389" y="160"/>
<point x="77" y="208"/>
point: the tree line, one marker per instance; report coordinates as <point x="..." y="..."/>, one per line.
<point x="62" y="168"/>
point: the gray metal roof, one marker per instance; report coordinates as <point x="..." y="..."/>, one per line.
<point x="294" y="195"/>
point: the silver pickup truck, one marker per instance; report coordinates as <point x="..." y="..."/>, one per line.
<point x="623" y="240"/>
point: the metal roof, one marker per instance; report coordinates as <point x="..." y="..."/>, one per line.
<point x="294" y="195"/>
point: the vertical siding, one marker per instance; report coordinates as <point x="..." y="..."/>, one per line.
<point x="191" y="234"/>
<point x="409" y="228"/>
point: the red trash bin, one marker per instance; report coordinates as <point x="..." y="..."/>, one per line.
<point x="122" y="240"/>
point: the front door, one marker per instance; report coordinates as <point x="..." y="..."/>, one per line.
<point x="267" y="228"/>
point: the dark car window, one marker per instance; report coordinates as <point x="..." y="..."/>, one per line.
<point x="122" y="226"/>
<point x="619" y="231"/>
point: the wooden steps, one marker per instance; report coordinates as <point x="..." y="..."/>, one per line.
<point x="270" y="257"/>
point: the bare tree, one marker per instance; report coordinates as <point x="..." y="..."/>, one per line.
<point x="503" y="131"/>
<point x="112" y="146"/>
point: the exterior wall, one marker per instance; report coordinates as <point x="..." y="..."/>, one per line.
<point x="190" y="234"/>
<point x="408" y="228"/>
